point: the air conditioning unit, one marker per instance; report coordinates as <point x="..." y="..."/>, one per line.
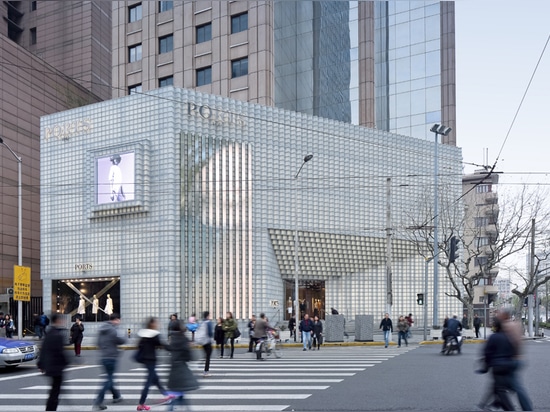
<point x="9" y="291"/>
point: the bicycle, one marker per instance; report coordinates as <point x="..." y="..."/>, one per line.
<point x="271" y="345"/>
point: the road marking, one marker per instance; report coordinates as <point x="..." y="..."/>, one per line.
<point x="229" y="380"/>
<point x="29" y="375"/>
<point x="202" y="388"/>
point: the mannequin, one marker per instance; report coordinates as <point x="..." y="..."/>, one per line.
<point x="109" y="305"/>
<point x="81" y="306"/>
<point x="95" y="306"/>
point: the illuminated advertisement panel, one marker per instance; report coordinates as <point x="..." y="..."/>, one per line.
<point x="115" y="178"/>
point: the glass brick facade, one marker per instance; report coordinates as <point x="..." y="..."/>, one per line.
<point x="211" y="205"/>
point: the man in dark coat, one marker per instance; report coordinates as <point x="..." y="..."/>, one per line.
<point x="477" y="325"/>
<point x="53" y="361"/>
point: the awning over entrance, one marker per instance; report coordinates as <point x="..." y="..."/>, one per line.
<point x="324" y="255"/>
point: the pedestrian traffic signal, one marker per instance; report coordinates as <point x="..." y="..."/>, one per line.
<point x="420" y="298"/>
<point x="453" y="249"/>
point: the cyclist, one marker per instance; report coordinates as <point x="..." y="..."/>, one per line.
<point x="260" y="333"/>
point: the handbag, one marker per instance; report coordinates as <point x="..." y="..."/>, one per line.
<point x="237" y="333"/>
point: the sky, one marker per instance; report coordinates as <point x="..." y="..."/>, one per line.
<point x="498" y="46"/>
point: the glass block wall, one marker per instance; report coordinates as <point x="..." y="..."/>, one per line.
<point x="216" y="201"/>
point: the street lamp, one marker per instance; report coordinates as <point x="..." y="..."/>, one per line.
<point x="437" y="129"/>
<point x="19" y="233"/>
<point x="296" y="287"/>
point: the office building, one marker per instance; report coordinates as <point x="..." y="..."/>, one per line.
<point x="175" y="200"/>
<point x="386" y="65"/>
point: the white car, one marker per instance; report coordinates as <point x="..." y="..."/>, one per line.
<point x="15" y="352"/>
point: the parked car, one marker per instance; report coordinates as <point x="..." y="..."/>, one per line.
<point x="15" y="352"/>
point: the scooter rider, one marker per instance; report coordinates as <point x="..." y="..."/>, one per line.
<point x="452" y="328"/>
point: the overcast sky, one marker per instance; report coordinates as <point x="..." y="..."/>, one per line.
<point x="498" y="46"/>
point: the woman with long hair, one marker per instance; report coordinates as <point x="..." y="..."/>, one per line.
<point x="148" y="344"/>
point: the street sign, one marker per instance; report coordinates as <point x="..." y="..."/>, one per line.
<point x="21" y="283"/>
<point x="274" y="303"/>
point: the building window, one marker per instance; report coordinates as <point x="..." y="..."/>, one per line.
<point x="239" y="23"/>
<point x="33" y="35"/>
<point x="165" y="6"/>
<point x="136" y="88"/>
<point x="481" y="261"/>
<point x="483" y="188"/>
<point x="134" y="53"/>
<point x="166" y="81"/>
<point x="481" y="221"/>
<point x="239" y="67"/>
<point x="134" y="13"/>
<point x="482" y="241"/>
<point x="33" y="5"/>
<point x="166" y="44"/>
<point x="204" y="33"/>
<point x="204" y="76"/>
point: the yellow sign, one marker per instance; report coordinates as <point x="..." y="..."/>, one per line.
<point x="21" y="283"/>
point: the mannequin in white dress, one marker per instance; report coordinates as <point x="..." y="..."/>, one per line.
<point x="109" y="305"/>
<point x="81" y="306"/>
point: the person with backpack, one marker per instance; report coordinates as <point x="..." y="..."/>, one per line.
<point x="203" y="337"/>
<point x="44" y="322"/>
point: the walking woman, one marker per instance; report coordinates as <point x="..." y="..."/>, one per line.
<point x="317" y="332"/>
<point x="229" y="327"/>
<point x="219" y="336"/>
<point x="180" y="379"/>
<point x="149" y="342"/>
<point x="77" y="335"/>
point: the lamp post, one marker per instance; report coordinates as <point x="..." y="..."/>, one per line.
<point x="437" y="129"/>
<point x="19" y="234"/>
<point x="296" y="265"/>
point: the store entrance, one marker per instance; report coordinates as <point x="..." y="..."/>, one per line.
<point x="311" y="295"/>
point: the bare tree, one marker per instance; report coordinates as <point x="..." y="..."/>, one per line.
<point x="487" y="236"/>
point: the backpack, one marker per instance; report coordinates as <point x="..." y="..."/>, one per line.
<point x="44" y="320"/>
<point x="201" y="335"/>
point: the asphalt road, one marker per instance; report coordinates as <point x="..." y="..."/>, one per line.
<point x="416" y="378"/>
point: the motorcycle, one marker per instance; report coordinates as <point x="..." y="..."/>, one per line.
<point x="452" y="344"/>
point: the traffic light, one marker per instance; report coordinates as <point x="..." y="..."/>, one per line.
<point x="453" y="249"/>
<point x="420" y="298"/>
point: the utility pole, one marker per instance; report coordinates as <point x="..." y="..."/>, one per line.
<point x="532" y="274"/>
<point x="389" y="291"/>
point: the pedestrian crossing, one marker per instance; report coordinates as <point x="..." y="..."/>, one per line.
<point x="238" y="384"/>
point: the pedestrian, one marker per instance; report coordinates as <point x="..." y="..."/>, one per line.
<point x="2" y="325"/>
<point x="514" y="331"/>
<point x="477" y="325"/>
<point x="229" y="327"/>
<point x="77" y="334"/>
<point x="410" y="321"/>
<point x="148" y="344"/>
<point x="306" y="326"/>
<point x="108" y="341"/>
<point x="219" y="336"/>
<point x="499" y="356"/>
<point x="317" y="332"/>
<point x="10" y="326"/>
<point x="37" y="326"/>
<point x="292" y="327"/>
<point x="171" y="324"/>
<point x="403" y="328"/>
<point x="465" y="322"/>
<point x="52" y="360"/>
<point x="260" y="334"/>
<point x="192" y="326"/>
<point x="250" y="326"/>
<point x="180" y="378"/>
<point x="45" y="321"/>
<point x="205" y="334"/>
<point x="387" y="328"/>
